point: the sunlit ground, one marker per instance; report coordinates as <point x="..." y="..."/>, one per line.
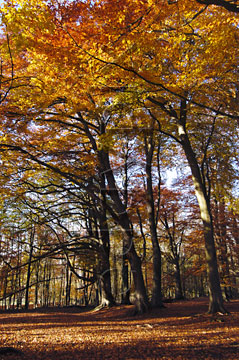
<point x="181" y="331"/>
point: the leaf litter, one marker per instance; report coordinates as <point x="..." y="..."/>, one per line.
<point x="183" y="330"/>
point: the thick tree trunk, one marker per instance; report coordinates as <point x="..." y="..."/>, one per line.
<point x="140" y="296"/>
<point x="215" y="293"/>
<point x="107" y="298"/>
<point x="118" y="211"/>
<point x="122" y="218"/>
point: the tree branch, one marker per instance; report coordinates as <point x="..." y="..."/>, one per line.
<point x="228" y="5"/>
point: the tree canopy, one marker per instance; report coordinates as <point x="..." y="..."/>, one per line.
<point x="99" y="100"/>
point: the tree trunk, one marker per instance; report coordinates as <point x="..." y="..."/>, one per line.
<point x="107" y="298"/>
<point x="118" y="211"/>
<point x="121" y="216"/>
<point x="215" y="293"/>
<point x="140" y="296"/>
<point x="178" y="281"/>
<point x="156" y="300"/>
<point x="125" y="291"/>
<point x="29" y="268"/>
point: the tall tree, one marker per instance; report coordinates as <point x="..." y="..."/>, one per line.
<point x="176" y="101"/>
<point x="157" y="55"/>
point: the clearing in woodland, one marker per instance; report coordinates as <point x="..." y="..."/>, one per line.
<point x="182" y="330"/>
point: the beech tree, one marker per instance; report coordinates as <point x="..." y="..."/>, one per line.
<point x="176" y="102"/>
<point x="91" y="67"/>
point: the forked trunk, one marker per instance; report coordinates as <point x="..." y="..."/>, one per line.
<point x="122" y="218"/>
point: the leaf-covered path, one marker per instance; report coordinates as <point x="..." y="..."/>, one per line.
<point x="183" y="330"/>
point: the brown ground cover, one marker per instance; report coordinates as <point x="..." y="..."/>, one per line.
<point x="182" y="330"/>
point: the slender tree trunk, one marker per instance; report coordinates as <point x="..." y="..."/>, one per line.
<point x="32" y="234"/>
<point x="107" y="298"/>
<point x="220" y="223"/>
<point x="175" y="255"/>
<point x="156" y="300"/>
<point x="215" y="293"/>
<point x="37" y="282"/>
<point x="18" y="277"/>
<point x="125" y="290"/>
<point x="5" y="289"/>
<point x="178" y="281"/>
<point x="67" y="288"/>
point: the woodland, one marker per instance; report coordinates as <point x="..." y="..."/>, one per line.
<point x="119" y="155"/>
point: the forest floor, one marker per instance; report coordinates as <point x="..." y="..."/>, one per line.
<point x="182" y="330"/>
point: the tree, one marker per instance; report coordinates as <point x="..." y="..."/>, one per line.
<point x="176" y="102"/>
<point x="157" y="56"/>
<point x="149" y="148"/>
<point x="88" y="122"/>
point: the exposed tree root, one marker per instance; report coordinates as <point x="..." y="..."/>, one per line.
<point x="216" y="308"/>
<point x="103" y="305"/>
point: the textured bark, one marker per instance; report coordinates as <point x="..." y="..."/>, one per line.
<point x="215" y="293"/>
<point x="107" y="297"/>
<point x="140" y="299"/>
<point x="118" y="211"/>
<point x="125" y="295"/>
<point x="156" y="300"/>
<point x="122" y="218"/>
<point x="220" y="226"/>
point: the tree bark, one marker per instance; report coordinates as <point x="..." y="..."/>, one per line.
<point x="29" y="268"/>
<point x="125" y="291"/>
<point x="156" y="300"/>
<point x="178" y="281"/>
<point x="215" y="293"/>
<point x="118" y="211"/>
<point x="122" y="218"/>
<point x="175" y="256"/>
<point x="107" y="298"/>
